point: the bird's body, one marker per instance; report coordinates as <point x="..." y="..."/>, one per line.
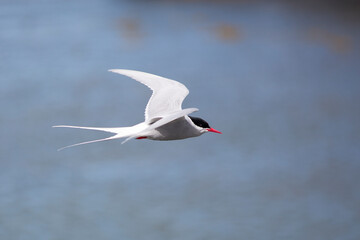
<point x="185" y="129"/>
<point x="164" y="117"/>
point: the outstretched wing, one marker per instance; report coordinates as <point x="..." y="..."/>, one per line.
<point x="167" y="96"/>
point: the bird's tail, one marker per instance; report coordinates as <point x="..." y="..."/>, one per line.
<point x="120" y="132"/>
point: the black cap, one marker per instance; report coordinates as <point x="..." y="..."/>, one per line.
<point x="199" y="122"/>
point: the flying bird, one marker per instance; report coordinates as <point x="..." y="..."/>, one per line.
<point x="164" y="117"/>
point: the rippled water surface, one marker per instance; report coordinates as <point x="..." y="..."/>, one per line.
<point x="280" y="80"/>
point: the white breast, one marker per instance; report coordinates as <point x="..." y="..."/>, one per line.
<point x="179" y="129"/>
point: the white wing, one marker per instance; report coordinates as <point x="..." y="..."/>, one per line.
<point x="167" y="96"/>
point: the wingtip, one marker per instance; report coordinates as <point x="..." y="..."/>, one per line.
<point x="191" y="110"/>
<point x="61" y="126"/>
<point x="125" y="72"/>
<point x="115" y="70"/>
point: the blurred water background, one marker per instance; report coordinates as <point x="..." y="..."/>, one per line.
<point x="280" y="79"/>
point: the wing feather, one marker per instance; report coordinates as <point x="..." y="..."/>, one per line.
<point x="167" y="96"/>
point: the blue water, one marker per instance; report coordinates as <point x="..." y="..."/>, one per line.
<point x="280" y="80"/>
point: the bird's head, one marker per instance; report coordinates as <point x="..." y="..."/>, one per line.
<point x="202" y="125"/>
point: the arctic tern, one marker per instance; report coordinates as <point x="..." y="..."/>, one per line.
<point x="164" y="117"/>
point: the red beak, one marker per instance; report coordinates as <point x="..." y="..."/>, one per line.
<point x="213" y="130"/>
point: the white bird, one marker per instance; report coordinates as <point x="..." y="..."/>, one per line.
<point x="164" y="117"/>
